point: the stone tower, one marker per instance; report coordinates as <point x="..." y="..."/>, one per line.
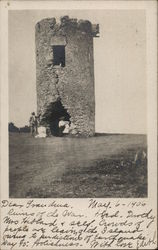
<point x="65" y="73"/>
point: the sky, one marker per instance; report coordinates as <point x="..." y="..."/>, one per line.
<point x="119" y="67"/>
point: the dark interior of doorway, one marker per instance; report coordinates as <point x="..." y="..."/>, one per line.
<point x="54" y="113"/>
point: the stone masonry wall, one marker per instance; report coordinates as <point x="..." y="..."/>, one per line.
<point x="74" y="83"/>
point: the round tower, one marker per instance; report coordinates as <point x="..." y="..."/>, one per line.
<point x="65" y="73"/>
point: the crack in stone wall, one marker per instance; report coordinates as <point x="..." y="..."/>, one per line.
<point x="74" y="83"/>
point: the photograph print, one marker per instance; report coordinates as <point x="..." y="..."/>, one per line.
<point x="77" y="104"/>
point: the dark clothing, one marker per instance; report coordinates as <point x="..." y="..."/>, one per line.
<point x="32" y="124"/>
<point x="61" y="129"/>
<point x="36" y="125"/>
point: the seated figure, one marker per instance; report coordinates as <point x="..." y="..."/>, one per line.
<point x="41" y="132"/>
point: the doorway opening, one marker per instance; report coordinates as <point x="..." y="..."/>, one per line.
<point x="55" y="112"/>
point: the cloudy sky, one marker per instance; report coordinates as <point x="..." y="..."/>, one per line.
<point x="120" y="66"/>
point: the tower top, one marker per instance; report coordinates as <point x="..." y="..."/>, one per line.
<point x="67" y="23"/>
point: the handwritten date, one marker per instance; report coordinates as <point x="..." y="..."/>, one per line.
<point x="97" y="225"/>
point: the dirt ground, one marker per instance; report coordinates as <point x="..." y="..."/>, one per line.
<point x="62" y="167"/>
